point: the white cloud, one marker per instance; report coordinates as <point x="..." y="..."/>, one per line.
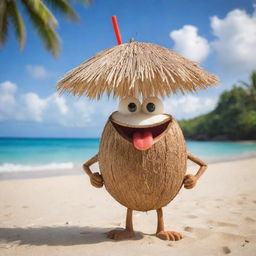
<point x="189" y="106"/>
<point x="53" y="109"/>
<point x="236" y="40"/>
<point x="234" y="44"/>
<point x="33" y="106"/>
<point x="188" y="43"/>
<point x="59" y="103"/>
<point x="37" y="71"/>
<point x="8" y="87"/>
<point x="7" y="98"/>
<point x="7" y="91"/>
<point x="85" y="109"/>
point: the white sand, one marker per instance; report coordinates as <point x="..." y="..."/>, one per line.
<point x="65" y="215"/>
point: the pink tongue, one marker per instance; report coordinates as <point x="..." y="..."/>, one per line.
<point x="142" y="140"/>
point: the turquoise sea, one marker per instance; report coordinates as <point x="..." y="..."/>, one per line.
<point x="19" y="154"/>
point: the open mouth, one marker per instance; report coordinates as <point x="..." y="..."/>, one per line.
<point x="142" y="136"/>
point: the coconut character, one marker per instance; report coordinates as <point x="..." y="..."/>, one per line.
<point x="142" y="155"/>
<point x="143" y="160"/>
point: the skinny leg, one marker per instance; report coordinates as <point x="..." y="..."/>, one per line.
<point x="129" y="225"/>
<point x="120" y="234"/>
<point x="161" y="233"/>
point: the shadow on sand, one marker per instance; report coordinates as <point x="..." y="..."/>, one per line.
<point x="56" y="235"/>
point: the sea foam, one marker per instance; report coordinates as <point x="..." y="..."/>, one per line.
<point x="9" y="167"/>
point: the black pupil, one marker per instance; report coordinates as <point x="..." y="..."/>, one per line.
<point x="151" y="107"/>
<point x="132" y="107"/>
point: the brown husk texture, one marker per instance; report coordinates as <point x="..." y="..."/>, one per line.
<point x="134" y="69"/>
<point x="143" y="180"/>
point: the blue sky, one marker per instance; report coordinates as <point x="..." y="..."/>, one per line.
<point x="220" y="35"/>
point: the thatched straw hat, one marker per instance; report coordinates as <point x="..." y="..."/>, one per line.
<point x="133" y="69"/>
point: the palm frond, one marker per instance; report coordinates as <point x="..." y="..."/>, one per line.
<point x="64" y="8"/>
<point x="248" y="86"/>
<point x="17" y="22"/>
<point x="40" y="9"/>
<point x="3" y="22"/>
<point x="41" y="17"/>
<point x="44" y="29"/>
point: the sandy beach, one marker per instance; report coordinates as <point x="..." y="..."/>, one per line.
<point x="65" y="215"/>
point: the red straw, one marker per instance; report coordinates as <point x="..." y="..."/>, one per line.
<point x="116" y="28"/>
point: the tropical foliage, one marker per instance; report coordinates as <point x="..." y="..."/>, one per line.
<point x="234" y="118"/>
<point x="41" y="17"/>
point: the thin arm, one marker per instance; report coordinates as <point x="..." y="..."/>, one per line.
<point x="203" y="165"/>
<point x="88" y="164"/>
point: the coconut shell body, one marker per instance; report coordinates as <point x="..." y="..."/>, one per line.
<point x="143" y="180"/>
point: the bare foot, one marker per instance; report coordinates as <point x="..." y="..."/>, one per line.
<point x="169" y="235"/>
<point x="120" y="234"/>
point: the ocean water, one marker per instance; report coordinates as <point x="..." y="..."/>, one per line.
<point x="18" y="154"/>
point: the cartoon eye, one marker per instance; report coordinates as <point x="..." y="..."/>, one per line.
<point x="129" y="105"/>
<point x="152" y="106"/>
<point x="132" y="107"/>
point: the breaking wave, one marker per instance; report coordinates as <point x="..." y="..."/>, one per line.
<point x="9" y="167"/>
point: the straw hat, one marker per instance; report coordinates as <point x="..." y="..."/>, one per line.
<point x="134" y="69"/>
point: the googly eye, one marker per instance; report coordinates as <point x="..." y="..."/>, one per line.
<point x="129" y="105"/>
<point x="153" y="106"/>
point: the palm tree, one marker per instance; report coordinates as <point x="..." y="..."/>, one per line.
<point x="41" y="17"/>
<point x="251" y="86"/>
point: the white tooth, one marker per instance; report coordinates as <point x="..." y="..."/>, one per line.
<point x="139" y="118"/>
